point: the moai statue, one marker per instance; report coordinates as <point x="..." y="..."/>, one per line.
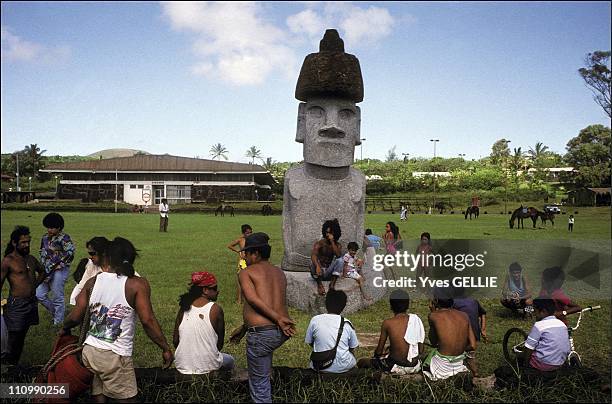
<point x="325" y="186"/>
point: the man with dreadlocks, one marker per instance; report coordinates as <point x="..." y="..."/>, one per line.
<point x="326" y="256"/>
<point x="24" y="274"/>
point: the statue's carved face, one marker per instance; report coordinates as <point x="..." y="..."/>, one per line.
<point x="329" y="130"/>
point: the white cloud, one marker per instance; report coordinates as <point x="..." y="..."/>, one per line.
<point x="16" y="49"/>
<point x="236" y="43"/>
<point x="358" y="26"/>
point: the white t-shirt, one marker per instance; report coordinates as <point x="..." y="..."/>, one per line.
<point x="91" y="270"/>
<point x="164" y="208"/>
<point x="323" y="331"/>
<point x="351" y="266"/>
<point x="197" y="352"/>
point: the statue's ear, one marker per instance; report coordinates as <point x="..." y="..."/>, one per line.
<point x="358" y="128"/>
<point x="301" y="123"/>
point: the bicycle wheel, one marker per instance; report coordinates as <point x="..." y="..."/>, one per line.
<point x="513" y="342"/>
<point x="574" y="360"/>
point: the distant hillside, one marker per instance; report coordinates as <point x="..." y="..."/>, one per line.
<point x="111" y="153"/>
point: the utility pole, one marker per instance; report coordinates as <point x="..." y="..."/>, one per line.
<point x="434" y="179"/>
<point x="116" y="185"/>
<point x="17" y="174"/>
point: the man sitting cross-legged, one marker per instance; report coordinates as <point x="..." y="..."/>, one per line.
<point x="326" y="257"/>
<point x="547" y="344"/>
<point x="406" y="335"/>
<point x="451" y="336"/>
<point x="323" y="329"/>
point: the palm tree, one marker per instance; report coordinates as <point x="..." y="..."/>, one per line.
<point x="538" y="153"/>
<point x="254" y="153"/>
<point x="32" y="160"/>
<point x="218" y="150"/>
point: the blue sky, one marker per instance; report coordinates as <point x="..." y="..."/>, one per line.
<point x="79" y="77"/>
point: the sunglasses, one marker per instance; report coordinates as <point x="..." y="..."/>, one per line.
<point x="211" y="287"/>
<point x="92" y="253"/>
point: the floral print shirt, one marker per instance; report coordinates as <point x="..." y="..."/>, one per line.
<point x="56" y="252"/>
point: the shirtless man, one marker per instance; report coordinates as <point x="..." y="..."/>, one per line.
<point x="326" y="256"/>
<point x="21" y="310"/>
<point x="265" y="314"/>
<point x="406" y="335"/>
<point x="451" y="336"/>
<point x="246" y="230"/>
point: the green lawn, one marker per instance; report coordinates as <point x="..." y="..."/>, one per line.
<point x="196" y="242"/>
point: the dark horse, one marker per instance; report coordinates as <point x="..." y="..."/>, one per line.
<point x="524" y="213"/>
<point x="224" y="208"/>
<point x="266" y="210"/>
<point x="472" y="210"/>
<point x="547" y="216"/>
<point x="442" y="206"/>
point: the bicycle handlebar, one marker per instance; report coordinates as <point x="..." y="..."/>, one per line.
<point x="591" y="308"/>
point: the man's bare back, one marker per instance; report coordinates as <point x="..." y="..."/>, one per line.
<point x="267" y="283"/>
<point x="450" y="331"/>
<point x="395" y="329"/>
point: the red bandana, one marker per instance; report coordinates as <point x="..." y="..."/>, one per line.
<point x="203" y="279"/>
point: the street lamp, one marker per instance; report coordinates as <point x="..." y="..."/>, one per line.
<point x="461" y="155"/>
<point x="361" y="147"/>
<point x="405" y="156"/>
<point x="506" y="180"/>
<point x="30" y="180"/>
<point x="56" y="186"/>
<point x="434" y="179"/>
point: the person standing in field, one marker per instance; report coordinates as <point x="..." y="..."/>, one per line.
<point x="56" y="254"/>
<point x="246" y="231"/>
<point x="24" y="274"/>
<point x="164" y="208"/>
<point x="570" y="224"/>
<point x="199" y="330"/>
<point x="265" y="314"/>
<point x="116" y="298"/>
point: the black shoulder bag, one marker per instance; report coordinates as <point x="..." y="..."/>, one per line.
<point x="324" y="359"/>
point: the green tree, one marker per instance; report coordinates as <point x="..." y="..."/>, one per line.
<point x="596" y="75"/>
<point x="589" y="154"/>
<point x="499" y="152"/>
<point x="391" y="155"/>
<point x="218" y="150"/>
<point x="254" y="153"/>
<point x="32" y="160"/>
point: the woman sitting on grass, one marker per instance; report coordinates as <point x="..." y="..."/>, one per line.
<point x="199" y="330"/>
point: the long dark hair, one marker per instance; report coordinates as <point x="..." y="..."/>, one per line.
<point x="187" y="299"/>
<point x="15" y="236"/>
<point x="394" y="229"/>
<point x="77" y="275"/>
<point x="334" y="225"/>
<point x="99" y="245"/>
<point x="121" y="255"/>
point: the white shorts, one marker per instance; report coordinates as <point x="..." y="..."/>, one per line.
<point x="353" y="275"/>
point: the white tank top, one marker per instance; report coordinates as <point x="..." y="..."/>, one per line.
<point x="112" y="319"/>
<point x="197" y="352"/>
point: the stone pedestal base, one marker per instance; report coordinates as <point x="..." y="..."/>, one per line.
<point x="302" y="292"/>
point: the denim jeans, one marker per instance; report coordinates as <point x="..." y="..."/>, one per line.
<point x="55" y="284"/>
<point x="335" y="268"/>
<point x="260" y="347"/>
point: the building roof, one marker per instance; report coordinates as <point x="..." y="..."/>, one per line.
<point x="155" y="163"/>
<point x="600" y="190"/>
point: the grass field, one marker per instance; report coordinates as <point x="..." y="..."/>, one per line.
<point x="196" y="242"/>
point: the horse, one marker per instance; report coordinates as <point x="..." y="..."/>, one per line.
<point x="266" y="210"/>
<point x="524" y="213"/>
<point x="547" y="216"/>
<point x="472" y="210"/>
<point x="224" y="208"/>
<point x="442" y="206"/>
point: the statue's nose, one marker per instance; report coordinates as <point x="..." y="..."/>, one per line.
<point x="331" y="131"/>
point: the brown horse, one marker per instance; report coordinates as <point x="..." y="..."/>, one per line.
<point x="547" y="216"/>
<point x="224" y="208"/>
<point x="524" y="213"/>
<point x="472" y="210"/>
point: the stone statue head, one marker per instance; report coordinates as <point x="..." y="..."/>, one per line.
<point x="330" y="84"/>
